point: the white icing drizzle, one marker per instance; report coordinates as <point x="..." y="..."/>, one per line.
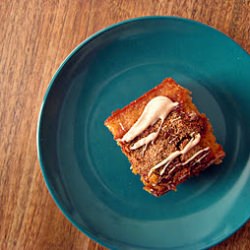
<point x="195" y="155"/>
<point x="211" y="162"/>
<point x="157" y="108"/>
<point x="199" y="160"/>
<point x="176" y="119"/>
<point x="172" y="169"/>
<point x="145" y="140"/>
<point x="144" y="149"/>
<point x="193" y="142"/>
<point x="173" y="139"/>
<point x="191" y="158"/>
<point x="122" y="126"/>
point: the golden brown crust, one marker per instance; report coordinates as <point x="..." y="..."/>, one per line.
<point x="174" y="135"/>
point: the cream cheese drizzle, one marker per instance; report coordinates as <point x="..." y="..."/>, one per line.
<point x="193" y="142"/>
<point x="195" y="155"/>
<point x="192" y="158"/>
<point x="199" y="160"/>
<point x="211" y="162"/>
<point x="144" y="141"/>
<point x="157" y="108"/>
<point x="121" y="126"/>
<point x="176" y="119"/>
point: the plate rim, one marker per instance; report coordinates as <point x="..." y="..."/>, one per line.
<point x="51" y="84"/>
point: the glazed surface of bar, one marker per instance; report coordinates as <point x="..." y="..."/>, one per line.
<point x="165" y="137"/>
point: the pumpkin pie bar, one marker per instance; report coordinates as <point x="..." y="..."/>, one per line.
<point x="164" y="137"/>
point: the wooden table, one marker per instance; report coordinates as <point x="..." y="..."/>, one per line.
<point x="36" y="35"/>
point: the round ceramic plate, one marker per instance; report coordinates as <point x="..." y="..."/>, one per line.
<point x="85" y="171"/>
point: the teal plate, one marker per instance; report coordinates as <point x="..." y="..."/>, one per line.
<point x="85" y="171"/>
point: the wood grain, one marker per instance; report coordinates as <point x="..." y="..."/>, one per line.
<point x="36" y="35"/>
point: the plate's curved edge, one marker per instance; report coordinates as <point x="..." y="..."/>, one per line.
<point x="118" y="24"/>
<point x="228" y="236"/>
<point x="51" y="83"/>
<point x="49" y="188"/>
